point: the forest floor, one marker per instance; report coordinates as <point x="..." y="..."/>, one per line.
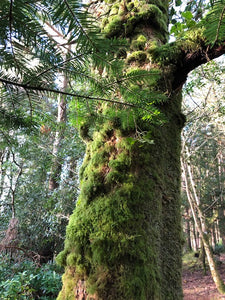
<point x="196" y="285"/>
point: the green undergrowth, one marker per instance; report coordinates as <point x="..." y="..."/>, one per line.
<point x="22" y="279"/>
<point x="193" y="260"/>
<point x="190" y="262"/>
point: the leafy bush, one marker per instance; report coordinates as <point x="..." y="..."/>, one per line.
<point x="25" y="280"/>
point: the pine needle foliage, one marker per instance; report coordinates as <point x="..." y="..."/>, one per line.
<point x="215" y="23"/>
<point x="32" y="59"/>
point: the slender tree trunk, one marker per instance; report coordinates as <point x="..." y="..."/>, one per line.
<point x="57" y="161"/>
<point x="188" y="229"/>
<point x="221" y="208"/>
<point x="195" y="239"/>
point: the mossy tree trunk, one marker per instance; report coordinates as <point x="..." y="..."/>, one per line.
<point x="124" y="238"/>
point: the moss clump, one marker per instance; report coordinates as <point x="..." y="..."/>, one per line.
<point x="124" y="18"/>
<point x="114" y="10"/>
<point x="68" y="289"/>
<point x="137" y="56"/>
<point x="194" y="39"/>
<point x="71" y="259"/>
<point x="166" y="54"/>
<point x="171" y="53"/>
<point x="61" y="257"/>
<point x="130" y="6"/>
<point x="139" y="43"/>
<point x="151" y="13"/>
<point x="115" y="27"/>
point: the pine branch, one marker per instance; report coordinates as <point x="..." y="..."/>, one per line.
<point x="55" y="91"/>
<point x="219" y="25"/>
<point x="78" y="23"/>
<point x="55" y="67"/>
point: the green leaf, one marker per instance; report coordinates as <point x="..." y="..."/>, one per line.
<point x="187" y="15"/>
<point x="178" y="2"/>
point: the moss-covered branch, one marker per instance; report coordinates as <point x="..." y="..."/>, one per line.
<point x="193" y="59"/>
<point x="186" y="54"/>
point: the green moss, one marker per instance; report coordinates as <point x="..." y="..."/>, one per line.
<point x="71" y="259"/>
<point x="171" y="53"/>
<point x="123" y="21"/>
<point x="112" y="224"/>
<point x="139" y="43"/>
<point x="114" y="10"/>
<point x="137" y="56"/>
<point x="151" y="13"/>
<point x="61" y="258"/>
<point x="122" y="9"/>
<point x="121" y="163"/>
<point x="99" y="158"/>
<point x="92" y="185"/>
<point x="105" y="21"/>
<point x="68" y="288"/>
<point x="166" y="54"/>
<point x="114" y="28"/>
<point x="162" y="5"/>
<point x="130" y="6"/>
<point x="194" y="39"/>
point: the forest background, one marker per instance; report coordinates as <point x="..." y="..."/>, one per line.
<point x="42" y="120"/>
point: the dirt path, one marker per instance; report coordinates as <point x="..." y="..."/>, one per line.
<point x="196" y="286"/>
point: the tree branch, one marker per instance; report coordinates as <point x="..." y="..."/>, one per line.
<point x="50" y="90"/>
<point x="191" y="60"/>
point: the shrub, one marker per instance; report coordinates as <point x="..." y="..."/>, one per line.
<point x="24" y="280"/>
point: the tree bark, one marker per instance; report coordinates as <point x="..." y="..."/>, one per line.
<point x="124" y="238"/>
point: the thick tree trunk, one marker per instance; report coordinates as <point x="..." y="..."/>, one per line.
<point x="124" y="238"/>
